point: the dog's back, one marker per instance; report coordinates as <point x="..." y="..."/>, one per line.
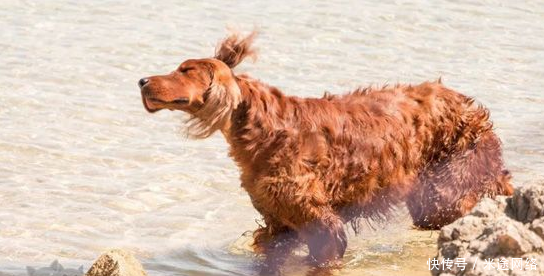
<point x="372" y="147"/>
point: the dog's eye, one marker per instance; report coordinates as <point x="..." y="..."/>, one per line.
<point x="185" y="70"/>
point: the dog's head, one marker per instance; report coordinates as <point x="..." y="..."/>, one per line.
<point x="204" y="88"/>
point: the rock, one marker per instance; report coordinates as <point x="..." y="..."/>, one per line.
<point x="528" y="204"/>
<point x="537" y="226"/>
<point x="539" y="260"/>
<point x="494" y="235"/>
<point x="116" y="262"/>
<point x="490" y="208"/>
<point x="54" y="269"/>
<point x="466" y="229"/>
<point x="507" y="237"/>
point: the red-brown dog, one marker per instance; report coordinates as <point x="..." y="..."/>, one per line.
<point x="312" y="164"/>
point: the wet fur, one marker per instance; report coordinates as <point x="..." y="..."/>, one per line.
<point x="310" y="165"/>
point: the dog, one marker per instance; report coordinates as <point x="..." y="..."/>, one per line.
<point x="311" y="165"/>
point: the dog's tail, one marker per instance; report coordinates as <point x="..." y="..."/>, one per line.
<point x="235" y="48"/>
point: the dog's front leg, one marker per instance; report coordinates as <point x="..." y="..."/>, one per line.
<point x="275" y="242"/>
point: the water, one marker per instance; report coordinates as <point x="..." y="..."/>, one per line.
<point x="85" y="168"/>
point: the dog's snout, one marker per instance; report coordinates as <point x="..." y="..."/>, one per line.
<point x="143" y="82"/>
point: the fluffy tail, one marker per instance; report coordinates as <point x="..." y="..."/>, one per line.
<point x="235" y="48"/>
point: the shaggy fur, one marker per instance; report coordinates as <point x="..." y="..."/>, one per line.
<point x="310" y="165"/>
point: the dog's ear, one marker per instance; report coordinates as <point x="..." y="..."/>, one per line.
<point x="221" y="98"/>
<point x="235" y="48"/>
<point x="224" y="91"/>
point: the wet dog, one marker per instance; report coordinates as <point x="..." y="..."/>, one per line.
<point x="310" y="165"/>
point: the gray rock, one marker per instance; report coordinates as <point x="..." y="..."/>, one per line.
<point x="465" y="229"/>
<point x="490" y="208"/>
<point x="497" y="229"/>
<point x="54" y="269"/>
<point x="527" y="203"/>
<point x="507" y="237"/>
<point x="537" y="226"/>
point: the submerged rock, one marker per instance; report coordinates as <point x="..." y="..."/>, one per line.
<point x="116" y="262"/>
<point x="54" y="269"/>
<point x="502" y="236"/>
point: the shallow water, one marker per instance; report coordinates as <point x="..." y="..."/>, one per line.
<point x="85" y="168"/>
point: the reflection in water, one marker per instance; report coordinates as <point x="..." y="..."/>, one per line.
<point x="84" y="168"/>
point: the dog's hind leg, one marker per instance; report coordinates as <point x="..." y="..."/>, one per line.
<point x="326" y="240"/>
<point x="449" y="189"/>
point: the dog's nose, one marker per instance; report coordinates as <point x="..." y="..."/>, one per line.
<point x="143" y="82"/>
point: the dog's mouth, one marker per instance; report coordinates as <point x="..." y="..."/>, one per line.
<point x="153" y="105"/>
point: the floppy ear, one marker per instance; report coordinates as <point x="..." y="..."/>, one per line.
<point x="221" y="98"/>
<point x="235" y="48"/>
